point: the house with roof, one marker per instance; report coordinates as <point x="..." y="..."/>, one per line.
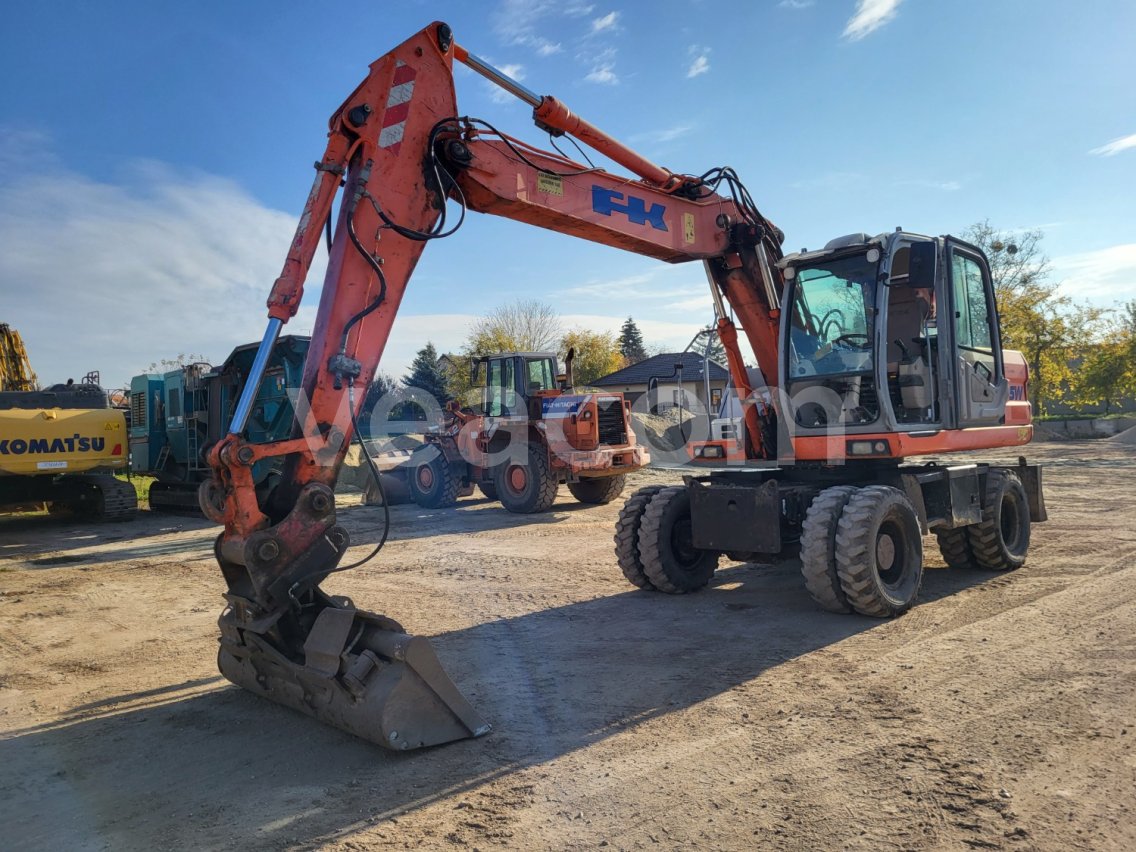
<point x="672" y="379"/>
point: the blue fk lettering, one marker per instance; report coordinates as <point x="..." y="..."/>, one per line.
<point x="606" y="201"/>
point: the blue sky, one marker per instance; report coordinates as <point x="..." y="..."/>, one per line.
<point x="154" y="156"/>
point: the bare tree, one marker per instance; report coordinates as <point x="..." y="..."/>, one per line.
<point x="522" y="326"/>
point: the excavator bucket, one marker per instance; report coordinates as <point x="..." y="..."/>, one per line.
<point x="359" y="672"/>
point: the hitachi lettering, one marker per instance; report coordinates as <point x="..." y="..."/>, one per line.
<point x="606" y="201"/>
<point x="42" y="446"/>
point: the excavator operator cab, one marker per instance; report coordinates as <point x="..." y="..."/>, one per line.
<point x="891" y="333"/>
<point x="509" y="381"/>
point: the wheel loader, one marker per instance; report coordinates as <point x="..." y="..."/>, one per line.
<point x="529" y="432"/>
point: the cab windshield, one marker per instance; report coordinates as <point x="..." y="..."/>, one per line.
<point x="831" y="331"/>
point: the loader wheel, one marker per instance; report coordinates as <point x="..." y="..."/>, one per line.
<point x="526" y="488"/>
<point x="433" y="484"/>
<point x="627" y="536"/>
<point x="488" y="489"/>
<point x="879" y="552"/>
<point x="598" y="490"/>
<point x="1000" y="542"/>
<point x="666" y="545"/>
<point x="818" y="548"/>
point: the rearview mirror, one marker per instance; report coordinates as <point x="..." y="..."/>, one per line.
<point x="474" y="370"/>
<point x="921" y="266"/>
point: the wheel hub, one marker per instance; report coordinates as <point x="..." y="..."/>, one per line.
<point x="425" y="478"/>
<point x="518" y="478"/>
<point x="885" y="552"/>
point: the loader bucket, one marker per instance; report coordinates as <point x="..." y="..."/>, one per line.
<point x="360" y="673"/>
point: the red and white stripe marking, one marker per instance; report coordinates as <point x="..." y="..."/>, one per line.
<point x="398" y="107"/>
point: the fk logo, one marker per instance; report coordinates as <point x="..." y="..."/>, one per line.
<point x="607" y="201"/>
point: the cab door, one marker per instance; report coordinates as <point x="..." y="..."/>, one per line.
<point x="501" y="387"/>
<point x="981" y="387"/>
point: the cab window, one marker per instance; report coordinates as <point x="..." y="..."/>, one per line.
<point x="540" y="375"/>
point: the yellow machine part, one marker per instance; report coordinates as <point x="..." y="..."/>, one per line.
<point x="15" y="372"/>
<point x="58" y="440"/>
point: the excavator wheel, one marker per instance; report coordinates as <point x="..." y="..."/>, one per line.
<point x="955" y="547"/>
<point x="525" y="489"/>
<point x="598" y="490"/>
<point x="627" y="536"/>
<point x="818" y="548"/>
<point x="488" y="489"/>
<point x="666" y="545"/>
<point x="433" y="484"/>
<point x="1001" y="540"/>
<point x="879" y="551"/>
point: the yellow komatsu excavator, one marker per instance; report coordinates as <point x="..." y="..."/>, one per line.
<point x="60" y="445"/>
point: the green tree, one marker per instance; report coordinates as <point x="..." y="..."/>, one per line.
<point x="631" y="345"/>
<point x="380" y="386"/>
<point x="1049" y="328"/>
<point x="1108" y="370"/>
<point x="426" y="375"/>
<point x="708" y="343"/>
<point x="597" y="354"/>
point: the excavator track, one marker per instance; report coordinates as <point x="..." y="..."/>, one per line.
<point x="119" y="499"/>
<point x="175" y="498"/>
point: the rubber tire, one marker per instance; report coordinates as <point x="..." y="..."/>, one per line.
<point x="868" y="510"/>
<point x="955" y="546"/>
<point x="488" y="489"/>
<point x="540" y="490"/>
<point x="627" y="537"/>
<point x="671" y="569"/>
<point x="444" y="490"/>
<point x="598" y="490"/>
<point x="988" y="542"/>
<point x="818" y="548"/>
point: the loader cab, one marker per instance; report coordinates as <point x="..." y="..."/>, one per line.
<point x="510" y="380"/>
<point x="893" y="333"/>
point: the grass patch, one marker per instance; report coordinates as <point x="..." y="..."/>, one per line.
<point x="141" y="486"/>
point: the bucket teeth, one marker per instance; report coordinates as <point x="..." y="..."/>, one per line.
<point x="357" y="674"/>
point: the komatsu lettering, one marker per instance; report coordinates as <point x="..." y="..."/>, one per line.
<point x="42" y="446"/>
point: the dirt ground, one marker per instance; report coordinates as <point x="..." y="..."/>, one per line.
<point x="999" y="713"/>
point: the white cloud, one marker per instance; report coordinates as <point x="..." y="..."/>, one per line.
<point x="796" y="4"/>
<point x="1104" y="275"/>
<point x="869" y="16"/>
<point x="1115" y="146"/>
<point x="516" y="22"/>
<point x="114" y="277"/>
<point x="666" y="134"/>
<point x="499" y="95"/>
<point x="927" y="183"/>
<point x="607" y="22"/>
<point x="603" y="68"/>
<point x="700" y="65"/>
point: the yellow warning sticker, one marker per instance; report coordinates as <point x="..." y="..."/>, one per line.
<point x="552" y="184"/>
<point x="688" y="227"/>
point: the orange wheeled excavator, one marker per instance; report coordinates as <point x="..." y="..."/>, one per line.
<point x="877" y="348"/>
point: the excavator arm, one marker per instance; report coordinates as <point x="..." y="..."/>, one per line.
<point x="399" y="149"/>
